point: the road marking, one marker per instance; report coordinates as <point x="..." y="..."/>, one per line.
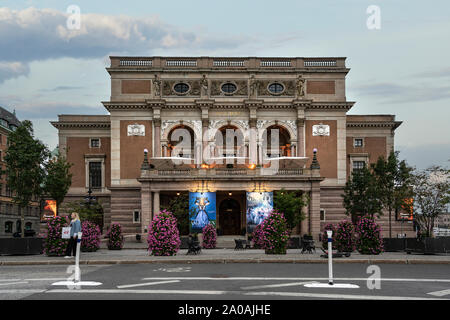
<point x="6" y="280"/>
<point x="440" y="293"/>
<point x="295" y="279"/>
<point x="179" y="269"/>
<point x="278" y="285"/>
<point x="7" y="284"/>
<point x="21" y="291"/>
<point x="77" y="284"/>
<point x="146" y="284"/>
<point x="332" y="286"/>
<point x="246" y="293"/>
<point x="46" y="279"/>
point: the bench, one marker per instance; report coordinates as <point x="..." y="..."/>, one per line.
<point x="241" y="244"/>
<point x="308" y="245"/>
<point x="193" y="247"/>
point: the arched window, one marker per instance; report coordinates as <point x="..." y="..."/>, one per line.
<point x="230" y="141"/>
<point x="181" y="142"/>
<point x="276" y="142"/>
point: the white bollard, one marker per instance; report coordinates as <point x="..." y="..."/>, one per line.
<point x="330" y="257"/>
<point x="77" y="259"/>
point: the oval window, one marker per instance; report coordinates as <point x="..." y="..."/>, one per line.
<point x="181" y="88"/>
<point x="229" y="87"/>
<point x="276" y="88"/>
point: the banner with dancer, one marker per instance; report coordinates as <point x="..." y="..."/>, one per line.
<point x="202" y="210"/>
<point x="259" y="205"/>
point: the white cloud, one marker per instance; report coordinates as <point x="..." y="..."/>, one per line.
<point x="9" y="70"/>
<point x="39" y="34"/>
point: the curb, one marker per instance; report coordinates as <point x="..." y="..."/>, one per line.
<point x="224" y="261"/>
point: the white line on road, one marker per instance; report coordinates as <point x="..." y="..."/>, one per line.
<point x="10" y="283"/>
<point x="15" y="291"/>
<point x="440" y="293"/>
<point x="278" y="285"/>
<point x="246" y="293"/>
<point x="295" y="279"/>
<point x="146" y="284"/>
<point x="9" y="280"/>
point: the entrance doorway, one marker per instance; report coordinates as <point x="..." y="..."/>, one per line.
<point x="230" y="217"/>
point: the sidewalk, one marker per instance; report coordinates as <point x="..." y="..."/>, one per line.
<point x="136" y="253"/>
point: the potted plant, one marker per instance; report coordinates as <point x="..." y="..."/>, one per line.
<point x="115" y="237"/>
<point x="209" y="237"/>
<point x="163" y="235"/>
<point x="90" y="240"/>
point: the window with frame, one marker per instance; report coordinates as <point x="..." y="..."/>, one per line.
<point x="136" y="216"/>
<point x="95" y="174"/>
<point x="322" y="215"/>
<point x="8" y="226"/>
<point x="229" y="88"/>
<point x="181" y="88"/>
<point x="276" y="88"/>
<point x="358" y="142"/>
<point x="358" y="165"/>
<point x="95" y="143"/>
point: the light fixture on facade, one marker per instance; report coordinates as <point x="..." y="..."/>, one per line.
<point x="252" y="166"/>
<point x="230" y="194"/>
<point x="178" y="193"/>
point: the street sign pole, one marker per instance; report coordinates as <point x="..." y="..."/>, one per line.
<point x="330" y="257"/>
<point x="77" y="258"/>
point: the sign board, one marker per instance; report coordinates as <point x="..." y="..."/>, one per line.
<point x="49" y="210"/>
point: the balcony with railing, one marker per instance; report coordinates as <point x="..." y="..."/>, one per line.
<point x="227" y="63"/>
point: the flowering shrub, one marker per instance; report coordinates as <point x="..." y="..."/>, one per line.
<point x="345" y="239"/>
<point x="209" y="237"/>
<point x="328" y="227"/>
<point x="115" y="237"/>
<point x="163" y="235"/>
<point x="258" y="236"/>
<point x="90" y="240"/>
<point x="275" y="234"/>
<point x="54" y="245"/>
<point x="369" y="239"/>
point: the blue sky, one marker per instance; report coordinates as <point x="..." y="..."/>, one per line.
<point x="401" y="69"/>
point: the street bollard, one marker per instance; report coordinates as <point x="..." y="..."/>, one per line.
<point x="77" y="258"/>
<point x="330" y="257"/>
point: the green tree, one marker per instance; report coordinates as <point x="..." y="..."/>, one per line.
<point x="58" y="179"/>
<point x="179" y="206"/>
<point x="431" y="189"/>
<point x="393" y="179"/>
<point x="361" y="196"/>
<point x="290" y="203"/>
<point x="25" y="172"/>
<point x="92" y="212"/>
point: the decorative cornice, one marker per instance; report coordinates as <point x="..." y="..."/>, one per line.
<point x="81" y="125"/>
<point x="114" y="106"/>
<point x="367" y="124"/>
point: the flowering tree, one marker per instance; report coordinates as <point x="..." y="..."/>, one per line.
<point x="258" y="236"/>
<point x="163" y="235"/>
<point x="275" y="234"/>
<point x="369" y="239"/>
<point x="209" y="237"/>
<point x="328" y="227"/>
<point x="345" y="239"/>
<point x="431" y="196"/>
<point x="115" y="237"/>
<point x="90" y="240"/>
<point x="54" y="245"/>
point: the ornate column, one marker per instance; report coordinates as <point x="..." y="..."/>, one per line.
<point x="157" y="139"/>
<point x="146" y="206"/>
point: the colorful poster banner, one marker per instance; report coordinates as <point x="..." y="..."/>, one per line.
<point x="49" y="210"/>
<point x="259" y="205"/>
<point x="202" y="210"/>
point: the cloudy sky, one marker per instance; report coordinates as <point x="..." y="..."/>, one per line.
<point x="403" y="68"/>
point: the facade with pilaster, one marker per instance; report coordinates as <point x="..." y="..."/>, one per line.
<point x="290" y="127"/>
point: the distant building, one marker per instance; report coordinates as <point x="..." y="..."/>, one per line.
<point x="10" y="214"/>
<point x="443" y="220"/>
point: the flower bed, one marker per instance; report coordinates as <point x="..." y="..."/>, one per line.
<point x="115" y="237"/>
<point x="163" y="235"/>
<point x="275" y="234"/>
<point x="54" y="245"/>
<point x="90" y="240"/>
<point x="209" y="237"/>
<point x="345" y="239"/>
<point x="369" y="239"/>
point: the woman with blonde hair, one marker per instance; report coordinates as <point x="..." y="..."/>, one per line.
<point x="75" y="227"/>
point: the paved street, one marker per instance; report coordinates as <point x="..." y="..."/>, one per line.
<point x="226" y="281"/>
